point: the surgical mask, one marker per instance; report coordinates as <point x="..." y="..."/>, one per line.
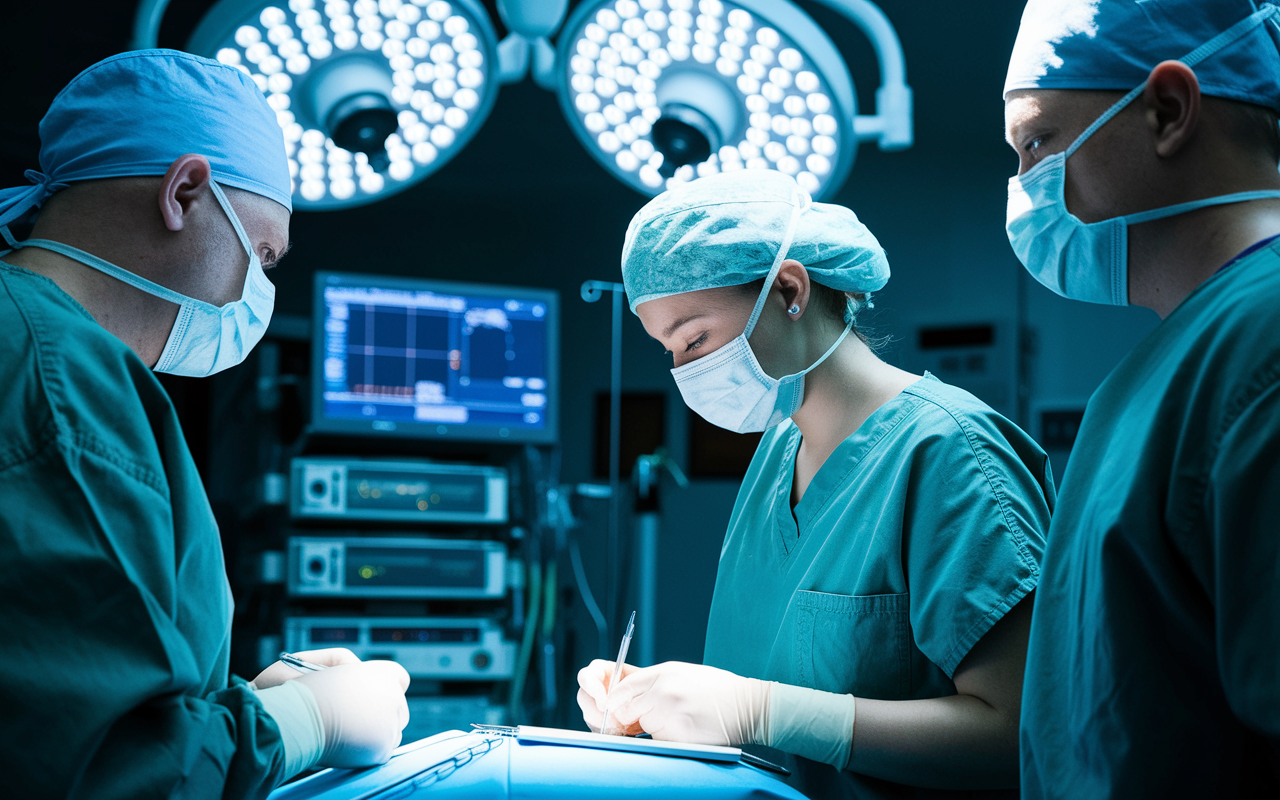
<point x="205" y="338"/>
<point x="729" y="389"/>
<point x="1089" y="262"/>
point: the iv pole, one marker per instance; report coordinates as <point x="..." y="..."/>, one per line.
<point x="592" y="291"/>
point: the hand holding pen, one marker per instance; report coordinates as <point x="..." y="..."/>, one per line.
<point x="283" y="670"/>
<point x="597" y="681"/>
<point x="361" y="704"/>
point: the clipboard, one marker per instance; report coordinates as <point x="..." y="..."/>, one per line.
<point x="532" y="734"/>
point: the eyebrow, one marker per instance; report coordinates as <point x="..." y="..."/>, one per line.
<point x="673" y="327"/>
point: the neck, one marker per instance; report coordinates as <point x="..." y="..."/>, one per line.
<point x="842" y="392"/>
<point x="134" y="317"/>
<point x="1169" y="258"/>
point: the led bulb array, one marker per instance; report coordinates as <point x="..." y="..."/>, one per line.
<point x="621" y="53"/>
<point x="440" y="80"/>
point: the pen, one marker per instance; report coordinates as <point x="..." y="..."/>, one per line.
<point x="289" y="659"/>
<point x="617" y="672"/>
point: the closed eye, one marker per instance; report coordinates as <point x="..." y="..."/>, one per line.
<point x="701" y="340"/>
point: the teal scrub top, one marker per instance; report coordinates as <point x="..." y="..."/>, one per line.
<point x="1154" y="663"/>
<point x="115" y="613"/>
<point x="919" y="532"/>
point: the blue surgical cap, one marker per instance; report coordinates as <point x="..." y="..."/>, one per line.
<point x="1114" y="44"/>
<point x="727" y="229"/>
<point x="137" y="112"/>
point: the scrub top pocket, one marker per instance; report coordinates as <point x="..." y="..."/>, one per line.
<point x="854" y="644"/>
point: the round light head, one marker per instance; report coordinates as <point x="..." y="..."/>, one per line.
<point x="684" y="135"/>
<point x="372" y="96"/>
<point x="666" y="91"/>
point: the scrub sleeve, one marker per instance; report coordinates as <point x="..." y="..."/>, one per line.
<point x="116" y="626"/>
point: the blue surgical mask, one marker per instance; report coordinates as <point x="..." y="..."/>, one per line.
<point x="728" y="388"/>
<point x="1090" y="261"/>
<point x="205" y="338"/>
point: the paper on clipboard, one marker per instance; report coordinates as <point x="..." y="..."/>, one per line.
<point x="530" y="734"/>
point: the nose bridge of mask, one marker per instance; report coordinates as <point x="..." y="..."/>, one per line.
<point x="799" y="203"/>
<point x="1223" y="40"/>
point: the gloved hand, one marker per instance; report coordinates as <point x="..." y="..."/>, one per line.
<point x="593" y="687"/>
<point x="362" y="709"/>
<point x="280" y="672"/>
<point x="681" y="702"/>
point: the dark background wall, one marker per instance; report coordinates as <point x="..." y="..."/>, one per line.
<point x="525" y="204"/>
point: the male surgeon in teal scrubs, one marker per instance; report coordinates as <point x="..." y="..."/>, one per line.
<point x="1147" y="142"/>
<point x="164" y="192"/>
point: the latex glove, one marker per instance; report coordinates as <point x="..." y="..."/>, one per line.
<point x="692" y="703"/>
<point x="362" y="709"/>
<point x="593" y="688"/>
<point x="280" y="672"/>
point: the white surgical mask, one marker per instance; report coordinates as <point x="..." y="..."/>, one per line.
<point x="729" y="389"/>
<point x="1089" y="262"/>
<point x="205" y="338"/>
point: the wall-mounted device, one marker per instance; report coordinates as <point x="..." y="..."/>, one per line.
<point x="392" y="490"/>
<point x="396" y="567"/>
<point x="430" y="359"/>
<point x="981" y="358"/>
<point x="457" y="649"/>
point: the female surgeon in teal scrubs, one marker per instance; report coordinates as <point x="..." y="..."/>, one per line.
<point x="867" y="611"/>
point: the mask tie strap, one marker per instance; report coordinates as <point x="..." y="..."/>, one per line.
<point x="1192" y="205"/>
<point x="847" y="328"/>
<point x="800" y="202"/>
<point x="1228" y="37"/>
<point x="231" y="215"/>
<point x="90" y="260"/>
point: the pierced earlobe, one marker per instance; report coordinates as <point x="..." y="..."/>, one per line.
<point x="795" y="309"/>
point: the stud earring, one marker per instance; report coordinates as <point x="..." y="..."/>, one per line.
<point x="795" y="309"/>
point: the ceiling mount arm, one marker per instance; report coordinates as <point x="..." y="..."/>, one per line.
<point x="530" y="24"/>
<point x="892" y="125"/>
<point x="146" y="24"/>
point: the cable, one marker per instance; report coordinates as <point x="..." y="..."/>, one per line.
<point x="588" y="599"/>
<point x="526" y="643"/>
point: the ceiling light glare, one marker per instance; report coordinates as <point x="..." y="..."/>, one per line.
<point x="384" y="92"/>
<point x="666" y="91"/>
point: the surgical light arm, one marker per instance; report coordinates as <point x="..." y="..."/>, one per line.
<point x="892" y="124"/>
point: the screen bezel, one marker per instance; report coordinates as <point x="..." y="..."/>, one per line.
<point x="427" y="430"/>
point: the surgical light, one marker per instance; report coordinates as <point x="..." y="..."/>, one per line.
<point x="372" y="96"/>
<point x="375" y="95"/>
<point x="665" y="91"/>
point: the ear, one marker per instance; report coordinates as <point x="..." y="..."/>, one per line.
<point x="793" y="284"/>
<point x="1172" y="99"/>
<point x="182" y="187"/>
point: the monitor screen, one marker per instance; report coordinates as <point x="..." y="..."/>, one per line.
<point x="423" y="358"/>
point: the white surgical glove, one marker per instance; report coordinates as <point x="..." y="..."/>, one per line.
<point x="280" y="672"/>
<point x="681" y="702"/>
<point x="593" y="686"/>
<point x="811" y="723"/>
<point x="704" y="705"/>
<point x="362" y="709"/>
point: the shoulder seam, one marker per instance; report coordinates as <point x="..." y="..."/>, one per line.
<point x="1264" y="380"/>
<point x="982" y="459"/>
<point x="66" y="434"/>
<point x="17" y="456"/>
<point x="93" y="446"/>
